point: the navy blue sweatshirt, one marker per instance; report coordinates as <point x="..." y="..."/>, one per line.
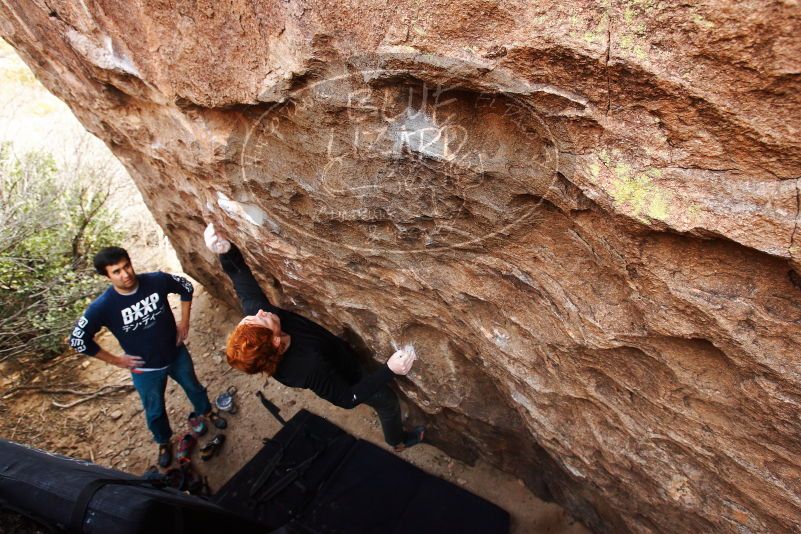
<point x="142" y="322"/>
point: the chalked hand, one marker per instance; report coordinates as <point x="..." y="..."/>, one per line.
<point x="401" y="362"/>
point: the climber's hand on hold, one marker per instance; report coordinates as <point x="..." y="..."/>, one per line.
<point x="401" y="362"/>
<point x="215" y="240"/>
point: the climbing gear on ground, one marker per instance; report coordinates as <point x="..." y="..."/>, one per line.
<point x="289" y="477"/>
<point x="152" y="473"/>
<point x="216" y="420"/>
<point x="165" y="454"/>
<point x="185" y="478"/>
<point x="225" y="401"/>
<point x="411" y="439"/>
<point x="275" y="459"/>
<point x="257" y="493"/>
<point x="272" y="408"/>
<point x="208" y="451"/>
<point x="185" y="448"/>
<point x="268" y="470"/>
<point x="197" y="424"/>
<point x="175" y="479"/>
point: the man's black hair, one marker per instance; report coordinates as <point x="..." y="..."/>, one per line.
<point x="109" y="256"/>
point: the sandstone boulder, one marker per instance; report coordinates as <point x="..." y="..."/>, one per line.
<point x="583" y="215"/>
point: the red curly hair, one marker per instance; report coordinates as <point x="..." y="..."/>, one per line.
<point x="250" y="349"/>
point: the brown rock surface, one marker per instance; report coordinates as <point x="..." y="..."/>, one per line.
<point x="583" y="215"/>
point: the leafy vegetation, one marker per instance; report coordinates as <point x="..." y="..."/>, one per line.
<point x="52" y="219"/>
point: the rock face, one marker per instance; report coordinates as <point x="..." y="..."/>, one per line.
<point x="583" y="215"/>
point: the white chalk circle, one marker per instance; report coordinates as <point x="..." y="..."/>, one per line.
<point x="396" y="165"/>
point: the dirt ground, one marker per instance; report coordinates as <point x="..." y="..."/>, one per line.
<point x="110" y="429"/>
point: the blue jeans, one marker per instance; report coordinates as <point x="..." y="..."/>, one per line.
<point x="151" y="385"/>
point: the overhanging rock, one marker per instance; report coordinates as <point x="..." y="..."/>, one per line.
<point x="584" y="216"/>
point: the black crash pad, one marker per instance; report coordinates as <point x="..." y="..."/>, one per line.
<point x="327" y="481"/>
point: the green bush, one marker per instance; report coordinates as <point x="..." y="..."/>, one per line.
<point x="51" y="221"/>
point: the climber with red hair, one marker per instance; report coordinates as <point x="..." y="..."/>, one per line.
<point x="300" y="353"/>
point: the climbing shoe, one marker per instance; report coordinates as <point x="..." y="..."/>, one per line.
<point x="411" y="439"/>
<point x="165" y="454"/>
<point x="152" y="473"/>
<point x="185" y="448"/>
<point x="216" y="420"/>
<point x="210" y="449"/>
<point x="197" y="424"/>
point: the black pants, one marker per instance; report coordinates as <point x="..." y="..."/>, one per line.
<point x="386" y="405"/>
<point x="252" y="298"/>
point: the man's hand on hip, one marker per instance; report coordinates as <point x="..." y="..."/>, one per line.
<point x="183" y="333"/>
<point x="183" y="326"/>
<point x="126" y="361"/>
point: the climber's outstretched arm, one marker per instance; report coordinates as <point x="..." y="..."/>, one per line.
<point x="251" y="297"/>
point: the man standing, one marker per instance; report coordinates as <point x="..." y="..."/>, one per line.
<point x="135" y="309"/>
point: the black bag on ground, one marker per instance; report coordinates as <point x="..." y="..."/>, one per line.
<point x="314" y="478"/>
<point x="72" y="495"/>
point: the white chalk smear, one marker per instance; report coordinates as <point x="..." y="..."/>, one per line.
<point x="248" y="212"/>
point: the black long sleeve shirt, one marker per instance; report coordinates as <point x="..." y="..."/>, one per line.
<point x="316" y="359"/>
